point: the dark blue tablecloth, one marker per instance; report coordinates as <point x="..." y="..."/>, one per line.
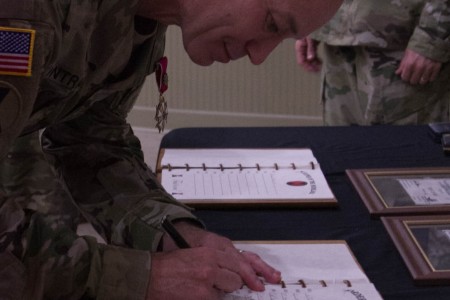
<point x="336" y="149"/>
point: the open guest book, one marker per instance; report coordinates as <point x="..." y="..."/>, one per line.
<point x="311" y="270"/>
<point x="242" y="177"/>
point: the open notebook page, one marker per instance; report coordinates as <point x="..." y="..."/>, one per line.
<point x="311" y="262"/>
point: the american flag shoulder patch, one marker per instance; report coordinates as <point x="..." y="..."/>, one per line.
<point x="16" y="51"/>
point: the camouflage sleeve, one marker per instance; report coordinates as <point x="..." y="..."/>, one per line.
<point x="55" y="263"/>
<point x="431" y="36"/>
<point x="41" y="257"/>
<point x="101" y="162"/>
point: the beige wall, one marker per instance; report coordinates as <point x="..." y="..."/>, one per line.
<point x="276" y="93"/>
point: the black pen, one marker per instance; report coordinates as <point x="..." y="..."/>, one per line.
<point x="174" y="234"/>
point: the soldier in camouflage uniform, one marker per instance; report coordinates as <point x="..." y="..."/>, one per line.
<point x="386" y="62"/>
<point x="75" y="68"/>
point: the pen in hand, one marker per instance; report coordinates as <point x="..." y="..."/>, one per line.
<point x="174" y="234"/>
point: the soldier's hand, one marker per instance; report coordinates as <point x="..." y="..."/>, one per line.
<point x="197" y="273"/>
<point x="418" y="69"/>
<point x="200" y="273"/>
<point x="306" y="54"/>
<point x="250" y="267"/>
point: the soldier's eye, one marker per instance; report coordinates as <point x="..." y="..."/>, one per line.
<point x="271" y="25"/>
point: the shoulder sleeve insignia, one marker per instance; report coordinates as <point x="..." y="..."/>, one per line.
<point x="16" y="51"/>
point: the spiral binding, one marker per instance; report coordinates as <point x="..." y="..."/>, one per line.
<point x="322" y="283"/>
<point x="239" y="167"/>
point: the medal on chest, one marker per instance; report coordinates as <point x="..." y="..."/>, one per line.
<point x="162" y="81"/>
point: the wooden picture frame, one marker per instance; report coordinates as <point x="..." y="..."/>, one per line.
<point x="424" y="244"/>
<point x="403" y="191"/>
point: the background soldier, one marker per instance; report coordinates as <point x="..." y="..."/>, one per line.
<point x="386" y="62"/>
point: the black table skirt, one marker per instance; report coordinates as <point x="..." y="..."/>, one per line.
<point x="336" y="149"/>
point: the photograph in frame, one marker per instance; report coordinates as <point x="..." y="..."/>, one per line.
<point x="424" y="244"/>
<point x="403" y="191"/>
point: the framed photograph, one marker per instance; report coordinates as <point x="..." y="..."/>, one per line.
<point x="403" y="191"/>
<point x="424" y="244"/>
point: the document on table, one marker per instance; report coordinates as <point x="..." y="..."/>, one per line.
<point x="244" y="176"/>
<point x="311" y="270"/>
<point x="365" y="291"/>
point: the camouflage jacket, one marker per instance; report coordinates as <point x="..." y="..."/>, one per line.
<point x="81" y="65"/>
<point x="420" y="25"/>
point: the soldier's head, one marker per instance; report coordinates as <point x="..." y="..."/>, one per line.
<point x="224" y="30"/>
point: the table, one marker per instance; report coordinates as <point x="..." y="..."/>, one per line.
<point x="336" y="149"/>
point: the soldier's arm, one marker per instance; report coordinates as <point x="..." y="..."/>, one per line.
<point x="101" y="161"/>
<point x="431" y="37"/>
<point x="429" y="45"/>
